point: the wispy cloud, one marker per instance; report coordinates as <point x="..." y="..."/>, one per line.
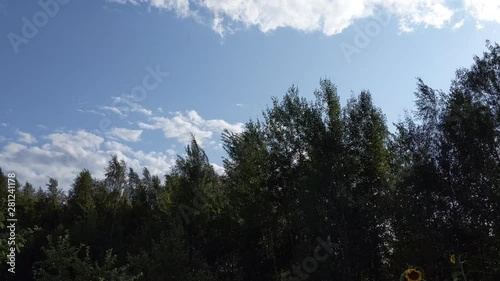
<point x="132" y="106"/>
<point x="93" y="111"/>
<point x="458" y="25"/>
<point x="124" y="105"/>
<point x="180" y="126"/>
<point x="112" y="109"/>
<point x="181" y="7"/>
<point x="26" y="137"/>
<point x="126" y="134"/>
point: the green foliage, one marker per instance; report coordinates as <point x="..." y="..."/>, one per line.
<point x="66" y="262"/>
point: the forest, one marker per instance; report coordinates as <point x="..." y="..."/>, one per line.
<point x="312" y="190"/>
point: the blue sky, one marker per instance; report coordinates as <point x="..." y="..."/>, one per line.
<point x="74" y="88"/>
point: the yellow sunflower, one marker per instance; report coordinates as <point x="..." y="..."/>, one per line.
<point x="452" y="259"/>
<point x="413" y="274"/>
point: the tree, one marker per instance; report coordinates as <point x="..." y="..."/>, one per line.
<point x="66" y="262"/>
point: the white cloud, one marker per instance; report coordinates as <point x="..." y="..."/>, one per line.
<point x="64" y="155"/>
<point x="218" y="169"/>
<point x="218" y="25"/>
<point x="4" y="124"/>
<point x="148" y="126"/>
<point x="239" y="105"/>
<point x="142" y="110"/>
<point x="26" y="137"/>
<point x="483" y="10"/>
<point x="112" y="109"/>
<point x="178" y="127"/>
<point x="181" y="125"/>
<point x="181" y="7"/>
<point x="458" y="25"/>
<point x="14" y="148"/>
<point x="90" y="111"/>
<point x="327" y="16"/>
<point x="40" y="126"/>
<point x="123" y="1"/>
<point x="124" y="105"/>
<point x="76" y="145"/>
<point x="126" y="134"/>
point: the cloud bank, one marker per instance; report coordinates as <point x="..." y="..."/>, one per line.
<point x="328" y="16"/>
<point x="63" y="153"/>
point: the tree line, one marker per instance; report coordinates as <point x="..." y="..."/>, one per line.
<point x="311" y="191"/>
